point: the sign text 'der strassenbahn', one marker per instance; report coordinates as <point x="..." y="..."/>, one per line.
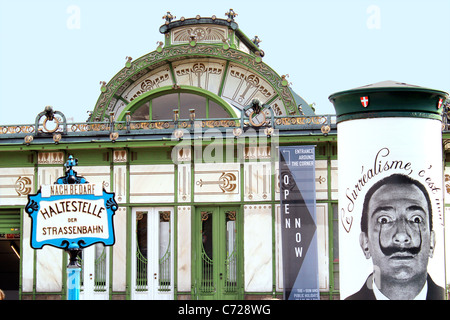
<point x="66" y="213"/>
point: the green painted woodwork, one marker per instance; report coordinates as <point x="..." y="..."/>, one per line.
<point x="148" y="96"/>
<point x="156" y="59"/>
<point x="388" y="99"/>
<point x="14" y="149"/>
<point x="101" y="157"/>
<point x="10" y="221"/>
<point x="17" y="159"/>
<point x="151" y="156"/>
<point x="217" y="253"/>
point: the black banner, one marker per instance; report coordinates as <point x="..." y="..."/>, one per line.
<point x="298" y="223"/>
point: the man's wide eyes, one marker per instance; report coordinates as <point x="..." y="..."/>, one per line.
<point x="416" y="219"/>
<point x="386" y="219"/>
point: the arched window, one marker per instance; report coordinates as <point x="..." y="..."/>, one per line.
<point x="160" y="105"/>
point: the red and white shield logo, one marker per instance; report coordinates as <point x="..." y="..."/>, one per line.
<point x="440" y="103"/>
<point x="365" y="101"/>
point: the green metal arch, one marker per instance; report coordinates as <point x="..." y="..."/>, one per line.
<point x="132" y="106"/>
<point x="167" y="55"/>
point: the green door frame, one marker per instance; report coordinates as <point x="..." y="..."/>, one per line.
<point x="217" y="274"/>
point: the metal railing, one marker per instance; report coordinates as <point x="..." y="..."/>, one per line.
<point x="141" y="271"/>
<point x="60" y="129"/>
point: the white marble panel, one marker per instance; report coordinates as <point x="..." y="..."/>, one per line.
<point x="49" y="269"/>
<point x="27" y="254"/>
<point x="257" y="181"/>
<point x="120" y="183"/>
<point x="49" y="175"/>
<point x="119" y="264"/>
<point x="258" y="248"/>
<point x="100" y="175"/>
<point x="184" y="183"/>
<point x="152" y="183"/>
<point x="334" y="180"/>
<point x="322" y="245"/>
<point x="216" y="182"/>
<point x="184" y="248"/>
<point x="15" y="185"/>
<point x="321" y="180"/>
<point x="49" y="259"/>
<point x="277" y="182"/>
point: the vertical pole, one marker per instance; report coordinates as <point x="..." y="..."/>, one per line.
<point x="73" y="273"/>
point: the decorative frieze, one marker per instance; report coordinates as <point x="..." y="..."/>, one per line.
<point x="217" y="182"/>
<point x="120" y="156"/>
<point x="51" y="158"/>
<point x="205" y="74"/>
<point x="15" y="185"/>
<point x="204" y="33"/>
<point x="241" y="86"/>
<point x="257" y="153"/>
<point x="257" y="181"/>
<point x="270" y="84"/>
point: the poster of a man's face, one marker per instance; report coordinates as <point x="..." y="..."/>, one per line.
<point x="397" y="234"/>
<point x="390" y="211"/>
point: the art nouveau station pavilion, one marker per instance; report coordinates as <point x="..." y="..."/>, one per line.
<point x="186" y="136"/>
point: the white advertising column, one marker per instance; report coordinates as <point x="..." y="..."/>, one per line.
<point x="391" y="224"/>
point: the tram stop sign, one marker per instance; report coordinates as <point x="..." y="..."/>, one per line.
<point x="71" y="212"/>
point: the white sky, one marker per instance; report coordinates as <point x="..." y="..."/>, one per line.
<point x="51" y="54"/>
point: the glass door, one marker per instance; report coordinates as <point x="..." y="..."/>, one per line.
<point x="152" y="248"/>
<point x="95" y="273"/>
<point x="217" y="252"/>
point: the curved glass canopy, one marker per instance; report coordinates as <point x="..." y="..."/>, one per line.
<point x="161" y="105"/>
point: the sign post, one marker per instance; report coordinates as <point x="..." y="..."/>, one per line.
<point x="73" y="272"/>
<point x="71" y="214"/>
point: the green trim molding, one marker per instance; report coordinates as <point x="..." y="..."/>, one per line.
<point x="152" y="60"/>
<point x="147" y="96"/>
<point x="388" y="99"/>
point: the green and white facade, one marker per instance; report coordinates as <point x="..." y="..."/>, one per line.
<point x="176" y="136"/>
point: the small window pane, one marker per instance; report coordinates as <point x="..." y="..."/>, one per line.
<point x="216" y="111"/>
<point x="142" y="113"/>
<point x="162" y="107"/>
<point x="164" y="251"/>
<point x="191" y="101"/>
<point x="141" y="251"/>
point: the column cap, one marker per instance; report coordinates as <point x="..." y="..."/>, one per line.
<point x="388" y="99"/>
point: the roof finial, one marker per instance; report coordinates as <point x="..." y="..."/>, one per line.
<point x="128" y="63"/>
<point x="256" y="41"/>
<point x="169" y="17"/>
<point x="103" y="87"/>
<point x="231" y="14"/>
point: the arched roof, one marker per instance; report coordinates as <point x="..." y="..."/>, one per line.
<point x="207" y="53"/>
